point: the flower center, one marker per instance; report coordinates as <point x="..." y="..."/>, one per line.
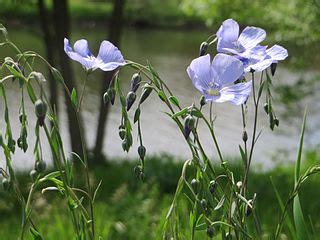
<point x="213" y="92"/>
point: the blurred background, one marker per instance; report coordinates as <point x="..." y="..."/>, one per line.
<point x="167" y="33"/>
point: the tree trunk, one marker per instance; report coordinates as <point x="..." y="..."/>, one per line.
<point x="49" y="45"/>
<point x="62" y="29"/>
<point x="115" y="29"/>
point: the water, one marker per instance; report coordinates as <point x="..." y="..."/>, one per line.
<point x="170" y="52"/>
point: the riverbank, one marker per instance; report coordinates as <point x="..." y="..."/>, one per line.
<point x="126" y="208"/>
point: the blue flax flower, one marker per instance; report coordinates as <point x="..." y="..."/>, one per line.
<point x="229" y="40"/>
<point x="216" y="80"/>
<point x="109" y="57"/>
<point x="246" y="46"/>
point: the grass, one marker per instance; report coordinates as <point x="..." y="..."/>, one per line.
<point x="129" y="209"/>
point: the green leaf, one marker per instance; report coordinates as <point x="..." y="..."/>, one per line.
<point x="96" y="191"/>
<point x="35" y="234"/>
<point x="196" y="112"/>
<point x="162" y="96"/>
<point x="136" y="115"/>
<point x="220" y="204"/>
<point x="154" y="75"/>
<point x="180" y="113"/>
<point x="243" y="155"/>
<point x="174" y="101"/>
<point x="300" y="224"/>
<point x="281" y="204"/>
<point x="15" y="72"/>
<point x="74" y="98"/>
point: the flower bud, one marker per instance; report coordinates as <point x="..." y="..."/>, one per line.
<point x="135" y="82"/>
<point x="125" y="146"/>
<point x="239" y="184"/>
<point x="212" y="186"/>
<point x="41" y="110"/>
<point x="195" y="185"/>
<point x="266" y="108"/>
<point x="210" y="231"/>
<point x="6" y="184"/>
<point x="131" y="97"/>
<point x="146" y="93"/>
<point x="142" y="151"/>
<point x="33" y="174"/>
<point x="244" y="136"/>
<point x="41" y="166"/>
<point x="137" y="170"/>
<point x="228" y="236"/>
<point x="112" y="95"/>
<point x="203" y="204"/>
<point x="106" y="98"/>
<point x="203" y="49"/>
<point x="276" y="122"/>
<point x="188" y="125"/>
<point x="249" y="209"/>
<point x="122" y="133"/>
<point x="273" y="68"/>
<point x="202" y="101"/>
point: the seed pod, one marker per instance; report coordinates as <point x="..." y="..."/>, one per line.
<point x="135" y="82"/>
<point x="212" y="186"/>
<point x="188" y="125"/>
<point x="33" y="174"/>
<point x="202" y="101"/>
<point x="244" y="136"/>
<point x="266" y="108"/>
<point x="112" y="95"/>
<point x="131" y="97"/>
<point x="203" y="204"/>
<point x="6" y="184"/>
<point x="210" y="231"/>
<point x="122" y="133"/>
<point x="203" y="49"/>
<point x="273" y="68"/>
<point x="41" y="166"/>
<point x="142" y="151"/>
<point x="195" y="185"/>
<point x="146" y="93"/>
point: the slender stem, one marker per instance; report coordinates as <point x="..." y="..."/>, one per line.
<point x="83" y="91"/>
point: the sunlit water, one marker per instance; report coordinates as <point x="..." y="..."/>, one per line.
<point x="170" y="52"/>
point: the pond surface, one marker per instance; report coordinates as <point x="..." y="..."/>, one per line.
<point x="170" y="52"/>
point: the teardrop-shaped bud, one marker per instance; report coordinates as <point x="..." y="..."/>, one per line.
<point x="195" y="185"/>
<point x="131" y="97"/>
<point x="112" y="95"/>
<point x="188" y="125"/>
<point x="40" y="108"/>
<point x="142" y="152"/>
<point x="203" y="49"/>
<point x="106" y="98"/>
<point x="33" y="174"/>
<point x="147" y="89"/>
<point x="135" y="82"/>
<point x="248" y="208"/>
<point x="41" y="166"/>
<point x="276" y="122"/>
<point x="213" y="186"/>
<point x="266" y="108"/>
<point x="202" y="101"/>
<point x="204" y="204"/>
<point x="122" y="133"/>
<point x="244" y="136"/>
<point x="273" y="68"/>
